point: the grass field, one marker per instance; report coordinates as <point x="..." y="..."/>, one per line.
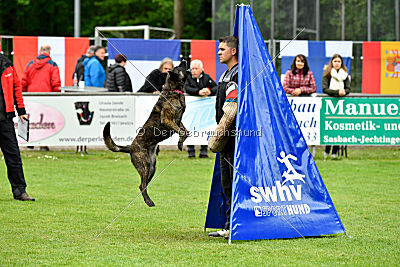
<point x="78" y="196"/>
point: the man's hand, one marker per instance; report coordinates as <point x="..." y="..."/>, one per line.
<point x="342" y="92"/>
<point x="23" y="118"/>
<point x="156" y="92"/>
<point x="296" y="92"/>
<point x="205" y="91"/>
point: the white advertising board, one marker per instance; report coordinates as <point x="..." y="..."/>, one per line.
<point x="79" y="120"/>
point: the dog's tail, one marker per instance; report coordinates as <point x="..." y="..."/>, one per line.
<point x="110" y="143"/>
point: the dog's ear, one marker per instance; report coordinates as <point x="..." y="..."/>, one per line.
<point x="165" y="76"/>
<point x="172" y="76"/>
<point x="183" y="64"/>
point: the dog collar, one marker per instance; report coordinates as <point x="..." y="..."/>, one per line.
<point x="178" y="91"/>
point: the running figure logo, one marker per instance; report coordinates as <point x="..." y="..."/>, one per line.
<point x="290" y="174"/>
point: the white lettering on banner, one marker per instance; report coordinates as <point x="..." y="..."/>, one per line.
<point x="263" y="211"/>
<point x="361" y="109"/>
<point x="351" y="126"/>
<point x="270" y="194"/>
<point x="280" y="191"/>
<point x="379" y="140"/>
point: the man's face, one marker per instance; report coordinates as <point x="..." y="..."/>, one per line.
<point x="166" y="67"/>
<point x="196" y="70"/>
<point x="101" y="53"/>
<point x="225" y="53"/>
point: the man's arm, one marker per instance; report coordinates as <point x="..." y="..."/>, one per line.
<point x="55" y="80"/>
<point x="18" y="99"/>
<point x="212" y="85"/>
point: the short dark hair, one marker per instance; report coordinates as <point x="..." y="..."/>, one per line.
<point x="99" y="47"/>
<point x="120" y="58"/>
<point x="232" y="41"/>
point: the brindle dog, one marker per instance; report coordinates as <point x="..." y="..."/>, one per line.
<point x="165" y="120"/>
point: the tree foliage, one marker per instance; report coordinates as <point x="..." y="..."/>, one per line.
<point x="56" y="18"/>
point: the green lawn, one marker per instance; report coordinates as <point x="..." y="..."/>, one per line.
<point x="78" y="196"/>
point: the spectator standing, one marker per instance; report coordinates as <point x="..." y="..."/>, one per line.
<point x="299" y="80"/>
<point x="226" y="106"/>
<point x="11" y="96"/>
<point x="335" y="82"/>
<point x="42" y="73"/>
<point x="199" y="84"/>
<point x="156" y="79"/>
<point x="118" y="79"/>
<point x="79" y="69"/>
<point x="94" y="72"/>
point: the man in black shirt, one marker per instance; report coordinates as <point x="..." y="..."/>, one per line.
<point x="227" y="95"/>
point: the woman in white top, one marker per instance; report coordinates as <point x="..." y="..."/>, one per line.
<point x="335" y="82"/>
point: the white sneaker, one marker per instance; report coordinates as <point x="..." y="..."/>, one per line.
<point x="222" y="233"/>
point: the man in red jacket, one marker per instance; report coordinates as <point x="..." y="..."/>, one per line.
<point x="11" y="96"/>
<point x="42" y="73"/>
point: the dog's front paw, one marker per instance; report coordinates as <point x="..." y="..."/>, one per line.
<point x="180" y="145"/>
<point x="150" y="203"/>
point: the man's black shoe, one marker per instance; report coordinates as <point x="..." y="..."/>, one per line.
<point x="203" y="156"/>
<point x="24" y="197"/>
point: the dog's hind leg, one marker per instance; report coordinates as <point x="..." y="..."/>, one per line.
<point x="152" y="166"/>
<point x="142" y="164"/>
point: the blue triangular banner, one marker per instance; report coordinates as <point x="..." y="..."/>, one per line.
<point x="217" y="206"/>
<point x="277" y="189"/>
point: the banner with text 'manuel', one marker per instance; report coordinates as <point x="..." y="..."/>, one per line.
<point x="277" y="189"/>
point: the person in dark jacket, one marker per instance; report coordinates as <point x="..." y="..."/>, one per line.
<point x="335" y="82"/>
<point x="118" y="79"/>
<point x="11" y="96"/>
<point x="79" y="68"/>
<point x="42" y="73"/>
<point x="156" y="79"/>
<point x="199" y="84"/>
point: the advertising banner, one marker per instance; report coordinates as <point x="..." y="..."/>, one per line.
<point x="307" y="112"/>
<point x="78" y="120"/>
<point x="360" y="121"/>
